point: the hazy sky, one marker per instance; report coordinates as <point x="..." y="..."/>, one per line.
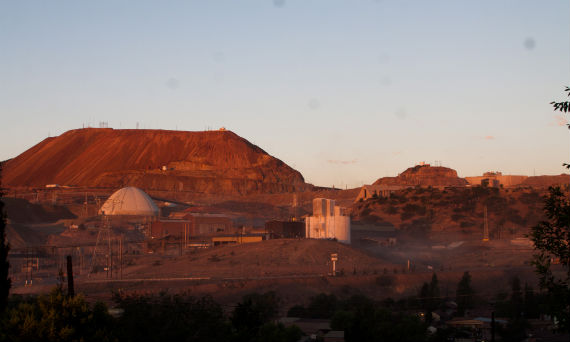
<point x="343" y="91"/>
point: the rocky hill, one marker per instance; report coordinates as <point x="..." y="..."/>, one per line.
<point x="424" y="175"/>
<point x="205" y="162"/>
<point x="456" y="210"/>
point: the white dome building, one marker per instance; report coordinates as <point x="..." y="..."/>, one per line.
<point x="129" y="201"/>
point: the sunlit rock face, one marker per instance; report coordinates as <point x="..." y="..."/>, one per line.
<point x="425" y="175"/>
<point x="208" y="162"/>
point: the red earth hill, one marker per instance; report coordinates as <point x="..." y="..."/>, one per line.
<point x="424" y="175"/>
<point x="206" y="162"/>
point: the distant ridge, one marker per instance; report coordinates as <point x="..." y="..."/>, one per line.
<point x="546" y="181"/>
<point x="207" y="162"/>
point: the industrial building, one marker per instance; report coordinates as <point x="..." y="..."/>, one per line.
<point x="192" y="225"/>
<point x="328" y="221"/>
<point x="129" y="201"/>
<point x="369" y="191"/>
<point x="496" y="179"/>
<point x="285" y="229"/>
<point x="202" y="230"/>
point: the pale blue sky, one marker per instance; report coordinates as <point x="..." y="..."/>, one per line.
<point x="343" y="91"/>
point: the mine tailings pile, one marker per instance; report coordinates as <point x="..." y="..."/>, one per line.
<point x="218" y="162"/>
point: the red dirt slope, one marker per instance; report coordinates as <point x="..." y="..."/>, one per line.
<point x="266" y="258"/>
<point x="207" y="162"/>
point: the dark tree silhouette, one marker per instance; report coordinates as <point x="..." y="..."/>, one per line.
<point x="5" y="281"/>
<point x="464" y="294"/>
<point x="551" y="240"/>
<point x="563" y="106"/>
<point x="429" y="297"/>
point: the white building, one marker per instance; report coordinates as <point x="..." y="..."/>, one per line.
<point x="328" y="221"/>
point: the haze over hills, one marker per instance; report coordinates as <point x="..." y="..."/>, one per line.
<point x="207" y="162"/>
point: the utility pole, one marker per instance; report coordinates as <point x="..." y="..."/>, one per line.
<point x="493" y="326"/>
<point x="186" y="228"/>
<point x="110" y="258"/>
<point x="29" y="268"/>
<point x="486" y="226"/>
<point x="121" y="256"/>
<point x="70" y="286"/>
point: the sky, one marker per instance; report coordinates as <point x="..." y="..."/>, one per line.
<point x="345" y="92"/>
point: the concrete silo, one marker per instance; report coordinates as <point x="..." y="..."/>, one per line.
<point x="328" y="221"/>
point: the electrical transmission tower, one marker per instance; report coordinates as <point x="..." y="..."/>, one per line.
<point x="103" y="253"/>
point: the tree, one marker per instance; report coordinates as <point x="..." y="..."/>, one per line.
<point x="516" y="327"/>
<point x="57" y="317"/>
<point x="165" y="317"/>
<point x="531" y="303"/>
<point x="323" y="306"/>
<point x="464" y="294"/>
<point x="277" y="332"/>
<point x="551" y="240"/>
<point x="255" y="311"/>
<point x="563" y="106"/>
<point x="429" y="297"/>
<point x="434" y="287"/>
<point x="5" y="281"/>
<point x="369" y="323"/>
<point x="517" y="300"/>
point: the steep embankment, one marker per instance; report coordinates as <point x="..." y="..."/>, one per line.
<point x="424" y="175"/>
<point x="207" y="162"/>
